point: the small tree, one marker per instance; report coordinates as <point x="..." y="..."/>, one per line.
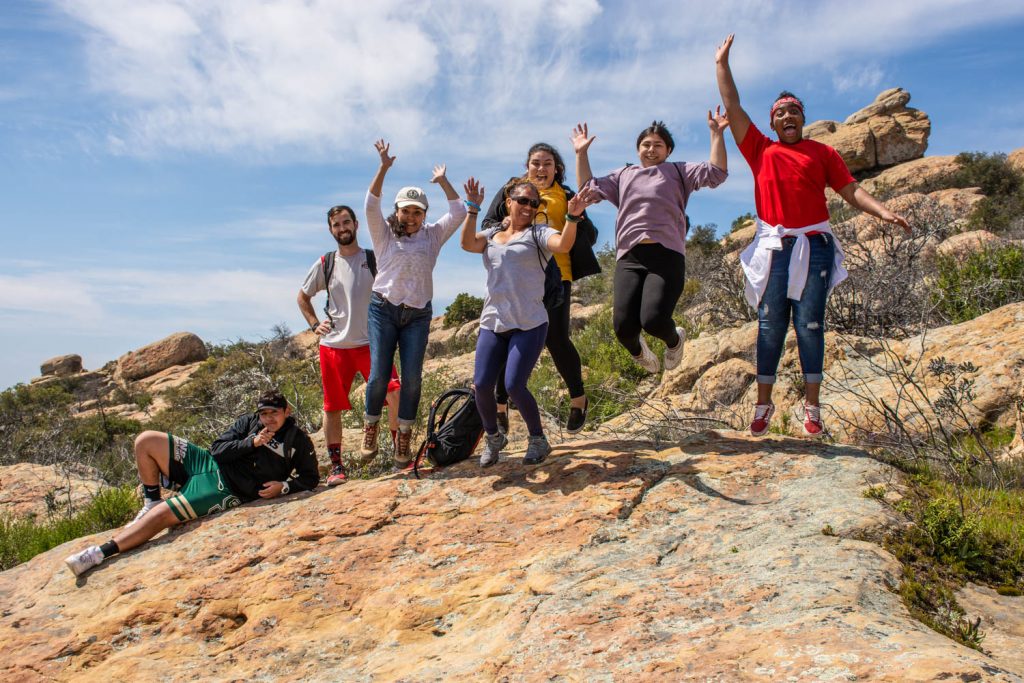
<point x="466" y="307"/>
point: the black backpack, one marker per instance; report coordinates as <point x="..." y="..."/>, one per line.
<point x="327" y="263"/>
<point x="454" y="430"/>
<point x="554" y="295"/>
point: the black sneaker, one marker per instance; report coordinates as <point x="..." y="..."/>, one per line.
<point x="503" y="422"/>
<point x="577" y="418"/>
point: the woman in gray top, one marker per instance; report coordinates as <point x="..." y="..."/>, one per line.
<point x="514" y="322"/>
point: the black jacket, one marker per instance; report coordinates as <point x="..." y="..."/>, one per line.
<point x="581" y="256"/>
<point x="245" y="469"/>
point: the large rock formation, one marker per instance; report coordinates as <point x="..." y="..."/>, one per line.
<point x="62" y="366"/>
<point x="884" y="133"/>
<point x="611" y="561"/>
<point x="30" y="490"/>
<point x="180" y="348"/>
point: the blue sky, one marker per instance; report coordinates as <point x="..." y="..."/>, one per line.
<point x="166" y="165"/>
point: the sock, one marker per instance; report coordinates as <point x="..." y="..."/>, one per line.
<point x="151" y="492"/>
<point x="110" y="548"/>
<point x="334" y="452"/>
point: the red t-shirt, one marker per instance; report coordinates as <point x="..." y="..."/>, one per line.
<point x="790" y="180"/>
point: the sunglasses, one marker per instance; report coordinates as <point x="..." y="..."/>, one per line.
<point x="526" y="201"/>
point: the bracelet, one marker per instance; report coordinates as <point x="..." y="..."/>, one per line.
<point x="313" y="326"/>
<point x="473" y="213"/>
<point x="473" y="204"/>
<point x="573" y="219"/>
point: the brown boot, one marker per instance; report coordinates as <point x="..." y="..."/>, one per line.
<point x="369" y="448"/>
<point x="403" y="445"/>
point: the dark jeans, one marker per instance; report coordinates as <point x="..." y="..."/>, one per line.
<point x="560" y="346"/>
<point x="406" y="329"/>
<point x="808" y="314"/>
<point x="649" y="280"/>
<point x="513" y="354"/>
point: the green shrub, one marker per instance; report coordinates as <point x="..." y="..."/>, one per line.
<point x="741" y="221"/>
<point x="1002" y="184"/>
<point x="980" y="283"/>
<point x="465" y="308"/>
<point x="597" y="289"/>
<point x="23" y="539"/>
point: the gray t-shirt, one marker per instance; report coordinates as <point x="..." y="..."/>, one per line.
<point x="348" y="298"/>
<point x="515" y="280"/>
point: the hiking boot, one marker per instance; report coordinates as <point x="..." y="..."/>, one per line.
<point x="762" y="417"/>
<point x="337" y="475"/>
<point x="493" y="443"/>
<point x="647" y="360"/>
<point x="812" y="421"/>
<point x="577" y="418"/>
<point x="674" y="355"/>
<point x="402" y="445"/>
<point x="503" y="422"/>
<point x="82" y="562"/>
<point x="149" y="505"/>
<point x="370" y="447"/>
<point x="537" y="449"/>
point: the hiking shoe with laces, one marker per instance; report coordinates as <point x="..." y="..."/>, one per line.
<point x="537" y="449"/>
<point x="369" y="447"/>
<point x="402" y="445"/>
<point x="337" y="475"/>
<point x="577" y="418"/>
<point x="647" y="360"/>
<point x="762" y="418"/>
<point x="673" y="356"/>
<point x="503" y="422"/>
<point x="79" y="563"/>
<point x="493" y="443"/>
<point x="149" y="505"/>
<point x="812" y="421"/>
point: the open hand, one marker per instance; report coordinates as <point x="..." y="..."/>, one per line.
<point x="584" y="198"/>
<point x="722" y="55"/>
<point x="382" y="149"/>
<point x="439" y="173"/>
<point x="474" y="191"/>
<point x="580" y="138"/>
<point x="896" y="219"/>
<point x="719" y="122"/>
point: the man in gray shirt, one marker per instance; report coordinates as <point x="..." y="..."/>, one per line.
<point x="347" y="275"/>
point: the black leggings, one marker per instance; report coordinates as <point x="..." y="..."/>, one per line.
<point x="649" y="280"/>
<point x="558" y="344"/>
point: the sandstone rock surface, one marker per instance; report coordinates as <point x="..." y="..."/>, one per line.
<point x="912" y="176"/>
<point x="610" y="561"/>
<point x="25" y="488"/>
<point x="180" y="348"/>
<point x="70" y="364"/>
<point x="1016" y="159"/>
<point x="966" y="243"/>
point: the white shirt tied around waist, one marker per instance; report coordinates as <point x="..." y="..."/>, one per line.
<point x="756" y="259"/>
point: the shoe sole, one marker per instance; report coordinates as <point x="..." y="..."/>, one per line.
<point x="760" y="433"/>
<point x="490" y="463"/>
<point x="336" y="482"/>
<point x="813" y="435"/>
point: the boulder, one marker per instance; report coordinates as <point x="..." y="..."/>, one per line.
<point x="918" y="175"/>
<point x="31" y="490"/>
<point x="62" y="366"/>
<point x="1016" y="159"/>
<point x="611" y="561"/>
<point x="703" y="353"/>
<point x="180" y="348"/>
<point x="966" y="243"/>
<point x="725" y="383"/>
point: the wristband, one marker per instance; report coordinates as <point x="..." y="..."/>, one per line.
<point x="569" y="218"/>
<point x="473" y="204"/>
<point x="313" y="326"/>
<point x="473" y="213"/>
<point x="285" y="488"/>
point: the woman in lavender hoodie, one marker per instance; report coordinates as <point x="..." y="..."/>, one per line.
<point x="650" y="233"/>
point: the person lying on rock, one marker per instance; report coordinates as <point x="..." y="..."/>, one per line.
<point x="795" y="260"/>
<point x="264" y="454"/>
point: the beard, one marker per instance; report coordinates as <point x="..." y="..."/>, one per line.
<point x="345" y="239"/>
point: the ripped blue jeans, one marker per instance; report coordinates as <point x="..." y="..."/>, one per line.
<point x="773" y="313"/>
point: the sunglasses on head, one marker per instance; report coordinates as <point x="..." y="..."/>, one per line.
<point x="526" y="201"/>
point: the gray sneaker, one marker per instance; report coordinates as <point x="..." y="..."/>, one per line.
<point x="537" y="449"/>
<point x="673" y="356"/>
<point x="493" y="443"/>
<point x="82" y="562"/>
<point x="647" y="360"/>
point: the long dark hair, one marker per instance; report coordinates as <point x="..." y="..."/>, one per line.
<point x="397" y="229"/>
<point x="559" y="162"/>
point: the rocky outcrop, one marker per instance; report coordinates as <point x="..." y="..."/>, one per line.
<point x="29" y="490"/>
<point x="611" y="561"/>
<point x="62" y="366"/>
<point x="1016" y="159"/>
<point x="919" y="175"/>
<point x="966" y="243"/>
<point x="883" y="134"/>
<point x="180" y="348"/>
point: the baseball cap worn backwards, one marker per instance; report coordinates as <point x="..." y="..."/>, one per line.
<point x="411" y="196"/>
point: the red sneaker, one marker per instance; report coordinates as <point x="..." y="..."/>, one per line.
<point x="812" y="421"/>
<point x="762" y="418"/>
<point x="337" y="475"/>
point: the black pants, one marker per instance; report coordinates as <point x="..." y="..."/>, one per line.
<point x="558" y="344"/>
<point x="649" y="280"/>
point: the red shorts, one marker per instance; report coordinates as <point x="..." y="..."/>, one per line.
<point x="338" y="367"/>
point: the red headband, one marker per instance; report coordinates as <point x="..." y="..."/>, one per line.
<point x="786" y="100"/>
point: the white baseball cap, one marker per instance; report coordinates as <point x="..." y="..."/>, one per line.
<point x="411" y="196"/>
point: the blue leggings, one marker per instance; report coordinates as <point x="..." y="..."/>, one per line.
<point x="518" y="351"/>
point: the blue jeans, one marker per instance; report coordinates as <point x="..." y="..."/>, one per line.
<point x="406" y="329"/>
<point x="808" y="313"/>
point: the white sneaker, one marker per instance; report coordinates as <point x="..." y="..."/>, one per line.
<point x="647" y="360"/>
<point x="673" y="356"/>
<point x="150" y="504"/>
<point x="82" y="562"/>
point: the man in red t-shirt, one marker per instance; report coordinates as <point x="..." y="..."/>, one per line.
<point x="794" y="260"/>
